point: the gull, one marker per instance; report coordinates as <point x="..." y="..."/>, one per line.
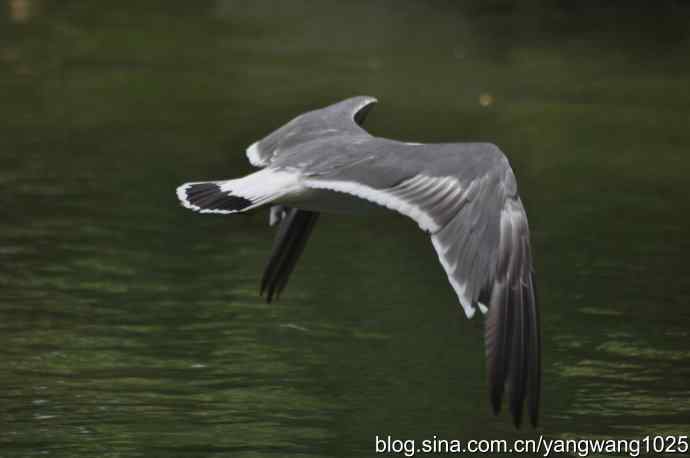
<point x="464" y="195"/>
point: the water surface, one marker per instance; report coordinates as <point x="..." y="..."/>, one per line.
<point x="131" y="327"/>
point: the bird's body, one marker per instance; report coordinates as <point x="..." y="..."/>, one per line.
<point x="463" y="194"/>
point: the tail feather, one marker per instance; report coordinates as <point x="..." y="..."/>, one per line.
<point x="233" y="196"/>
<point x="208" y="197"/>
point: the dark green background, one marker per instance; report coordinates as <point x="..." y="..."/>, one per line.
<point x="132" y="327"/>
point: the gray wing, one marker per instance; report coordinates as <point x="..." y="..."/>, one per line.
<point x="465" y="196"/>
<point x="346" y="116"/>
<point x="295" y="225"/>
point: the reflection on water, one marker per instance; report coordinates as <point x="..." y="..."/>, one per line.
<point x="129" y="327"/>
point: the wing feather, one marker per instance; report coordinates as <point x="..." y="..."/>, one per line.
<point x="534" y="358"/>
<point x="293" y="232"/>
<point x="480" y="232"/>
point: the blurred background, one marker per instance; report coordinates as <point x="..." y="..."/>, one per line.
<point x="132" y="327"/>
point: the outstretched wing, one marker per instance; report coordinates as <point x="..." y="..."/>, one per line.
<point x="296" y="225"/>
<point x="485" y="250"/>
<point x="293" y="232"/>
<point x="346" y="116"/>
<point x="479" y="230"/>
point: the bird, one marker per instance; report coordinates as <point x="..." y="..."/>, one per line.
<point x="464" y="195"/>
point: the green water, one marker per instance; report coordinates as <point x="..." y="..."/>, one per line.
<point x="132" y="327"/>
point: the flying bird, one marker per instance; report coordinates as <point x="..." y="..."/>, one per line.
<point x="464" y="195"/>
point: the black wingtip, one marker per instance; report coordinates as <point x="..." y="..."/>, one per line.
<point x="534" y="391"/>
<point x="513" y="336"/>
<point x="208" y="197"/>
<point x="499" y="332"/>
<point x="516" y="408"/>
<point x="293" y="232"/>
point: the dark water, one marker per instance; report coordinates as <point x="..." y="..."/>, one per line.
<point x="131" y="327"/>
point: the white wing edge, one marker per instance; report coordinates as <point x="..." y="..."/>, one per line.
<point x="366" y="101"/>
<point x="380" y="197"/>
<point x="388" y="199"/>
<point x="459" y="288"/>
